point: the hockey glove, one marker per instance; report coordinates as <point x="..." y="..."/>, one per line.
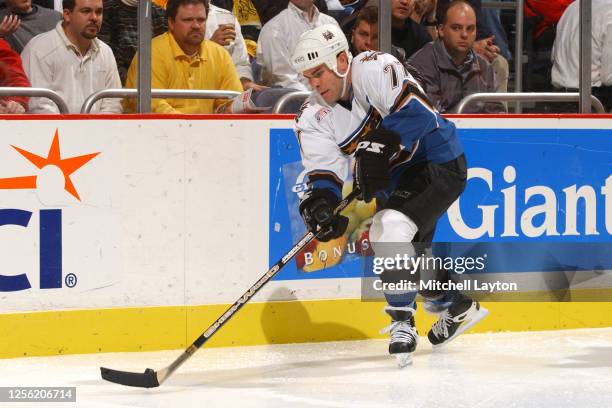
<point x="371" y="173"/>
<point x="317" y="210"/>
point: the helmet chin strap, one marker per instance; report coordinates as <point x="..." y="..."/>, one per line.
<point x="345" y="75"/>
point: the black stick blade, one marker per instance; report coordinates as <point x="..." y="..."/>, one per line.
<point x="148" y="379"/>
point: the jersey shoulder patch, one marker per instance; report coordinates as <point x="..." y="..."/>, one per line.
<point x="322" y="113"/>
<point x="314" y="117"/>
<point x="315" y="114"/>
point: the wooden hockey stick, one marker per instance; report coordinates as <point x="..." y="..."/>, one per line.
<point x="151" y="378"/>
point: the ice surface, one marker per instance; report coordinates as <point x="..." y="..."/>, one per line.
<point x="571" y="368"/>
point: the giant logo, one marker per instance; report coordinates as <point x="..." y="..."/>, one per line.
<point x="556" y="214"/>
<point x="50" y="225"/>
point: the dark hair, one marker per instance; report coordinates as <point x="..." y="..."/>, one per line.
<point x="444" y="12"/>
<point x="68" y="4"/>
<point x="173" y="6"/>
<point x="368" y="14"/>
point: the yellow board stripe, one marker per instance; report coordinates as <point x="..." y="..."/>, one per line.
<point x="157" y="328"/>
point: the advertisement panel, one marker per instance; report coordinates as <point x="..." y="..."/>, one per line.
<point x="129" y="213"/>
<point x="532" y="195"/>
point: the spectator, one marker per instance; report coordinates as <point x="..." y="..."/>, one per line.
<point x="230" y="37"/>
<point x="72" y="61"/>
<point x="11" y="74"/>
<point x="268" y="9"/>
<point x="485" y="44"/>
<point x="22" y="20"/>
<point x="120" y="30"/>
<point x="405" y="33"/>
<point x="566" y="60"/>
<point x="364" y="36"/>
<point x="449" y="66"/>
<point x="182" y="59"/>
<point x="278" y="39"/>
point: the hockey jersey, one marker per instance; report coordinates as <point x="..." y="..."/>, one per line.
<point x="384" y="94"/>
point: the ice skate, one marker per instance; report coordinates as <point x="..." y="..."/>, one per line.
<point x="404" y="336"/>
<point x="459" y="317"/>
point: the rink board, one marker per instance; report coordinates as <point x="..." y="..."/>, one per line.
<point x="162" y="222"/>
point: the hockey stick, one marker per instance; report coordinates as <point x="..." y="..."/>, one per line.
<point x="151" y="378"/>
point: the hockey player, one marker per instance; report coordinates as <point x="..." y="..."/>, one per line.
<point x="406" y="155"/>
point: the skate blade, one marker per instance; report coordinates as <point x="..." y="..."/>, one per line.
<point x="403" y="359"/>
<point x="478" y="316"/>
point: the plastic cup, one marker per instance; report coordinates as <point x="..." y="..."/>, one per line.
<point x="227" y="19"/>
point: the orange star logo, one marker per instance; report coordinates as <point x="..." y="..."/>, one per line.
<point x="67" y="166"/>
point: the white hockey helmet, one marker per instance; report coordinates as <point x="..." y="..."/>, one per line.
<point x="320" y="45"/>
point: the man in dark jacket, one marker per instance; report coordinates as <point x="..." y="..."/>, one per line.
<point x="450" y="67"/>
<point x="485" y="43"/>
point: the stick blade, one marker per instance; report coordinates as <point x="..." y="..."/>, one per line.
<point x="148" y="379"/>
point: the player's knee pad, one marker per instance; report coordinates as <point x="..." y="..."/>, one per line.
<point x="391" y="234"/>
<point x="392" y="226"/>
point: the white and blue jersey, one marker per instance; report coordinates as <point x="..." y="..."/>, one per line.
<point x="384" y="95"/>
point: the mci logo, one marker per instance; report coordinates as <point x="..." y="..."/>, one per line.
<point x="50" y="220"/>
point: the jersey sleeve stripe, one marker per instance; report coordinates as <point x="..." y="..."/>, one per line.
<point x="409" y="91"/>
<point x="325" y="174"/>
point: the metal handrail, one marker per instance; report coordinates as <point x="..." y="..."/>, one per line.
<point x="506" y="5"/>
<point x="38" y="93"/>
<point x="157" y="93"/>
<point x="283" y="100"/>
<point x="528" y="96"/>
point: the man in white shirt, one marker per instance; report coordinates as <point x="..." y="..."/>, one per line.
<point x="565" y="55"/>
<point x="72" y="61"/>
<point x="278" y="38"/>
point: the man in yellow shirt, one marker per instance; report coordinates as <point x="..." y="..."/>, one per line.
<point x="182" y="59"/>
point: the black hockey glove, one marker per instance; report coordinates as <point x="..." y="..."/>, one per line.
<point x="371" y="173"/>
<point x="317" y="210"/>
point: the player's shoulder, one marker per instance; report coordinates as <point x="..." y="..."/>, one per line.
<point x="370" y="66"/>
<point x="369" y="61"/>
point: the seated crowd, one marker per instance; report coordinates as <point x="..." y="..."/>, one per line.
<point x="457" y="47"/>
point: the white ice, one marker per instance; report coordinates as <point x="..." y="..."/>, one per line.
<point x="571" y="368"/>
